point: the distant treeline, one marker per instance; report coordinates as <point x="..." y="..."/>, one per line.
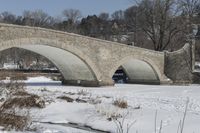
<point x="153" y="24"/>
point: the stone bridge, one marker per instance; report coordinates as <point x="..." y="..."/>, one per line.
<point x="84" y="60"/>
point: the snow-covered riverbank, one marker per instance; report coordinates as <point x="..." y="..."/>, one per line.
<point x="143" y="102"/>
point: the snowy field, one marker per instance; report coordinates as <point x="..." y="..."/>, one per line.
<point x="143" y="102"/>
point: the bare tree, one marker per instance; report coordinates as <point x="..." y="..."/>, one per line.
<point x="7" y="17"/>
<point x="37" y="18"/>
<point x="131" y="15"/>
<point x="72" y="14"/>
<point x="190" y="7"/>
<point x="118" y="15"/>
<point x="191" y="13"/>
<point x="158" y="19"/>
<point x="104" y="16"/>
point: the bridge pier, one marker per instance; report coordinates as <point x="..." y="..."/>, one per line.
<point x="166" y="81"/>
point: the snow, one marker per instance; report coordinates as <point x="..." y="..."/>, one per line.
<point x="38" y="79"/>
<point x="168" y="101"/>
<point x="197" y="67"/>
<point x="197" y="63"/>
<point x="59" y="129"/>
<point x="10" y="66"/>
<point x="41" y="81"/>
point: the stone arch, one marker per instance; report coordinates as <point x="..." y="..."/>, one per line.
<point x="154" y="76"/>
<point x="32" y="43"/>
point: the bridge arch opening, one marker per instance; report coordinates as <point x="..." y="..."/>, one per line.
<point x="135" y="71"/>
<point x="74" y="70"/>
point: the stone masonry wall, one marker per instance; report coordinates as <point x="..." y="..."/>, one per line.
<point x="178" y="65"/>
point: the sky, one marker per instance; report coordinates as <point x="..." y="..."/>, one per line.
<point x="55" y="7"/>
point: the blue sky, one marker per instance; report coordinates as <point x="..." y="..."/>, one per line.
<point x="55" y="7"/>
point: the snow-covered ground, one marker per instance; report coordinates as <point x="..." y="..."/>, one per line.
<point x="143" y="102"/>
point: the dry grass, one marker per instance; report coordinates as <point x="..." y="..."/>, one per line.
<point x="94" y="101"/>
<point x="21" y="93"/>
<point x="78" y="100"/>
<point x="16" y="98"/>
<point x="83" y="92"/>
<point x="11" y="87"/>
<point x="24" y="102"/>
<point x="14" y="86"/>
<point x="68" y="99"/>
<point x="18" y="76"/>
<point x="12" y="121"/>
<point x="120" y="103"/>
<point x="8" y="89"/>
<point x="70" y="93"/>
<point x="12" y="74"/>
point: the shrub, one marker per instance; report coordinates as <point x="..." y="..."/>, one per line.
<point x="24" y="102"/>
<point x="68" y="99"/>
<point x="13" y="121"/>
<point x="13" y="75"/>
<point x="120" y="103"/>
<point x="83" y="92"/>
